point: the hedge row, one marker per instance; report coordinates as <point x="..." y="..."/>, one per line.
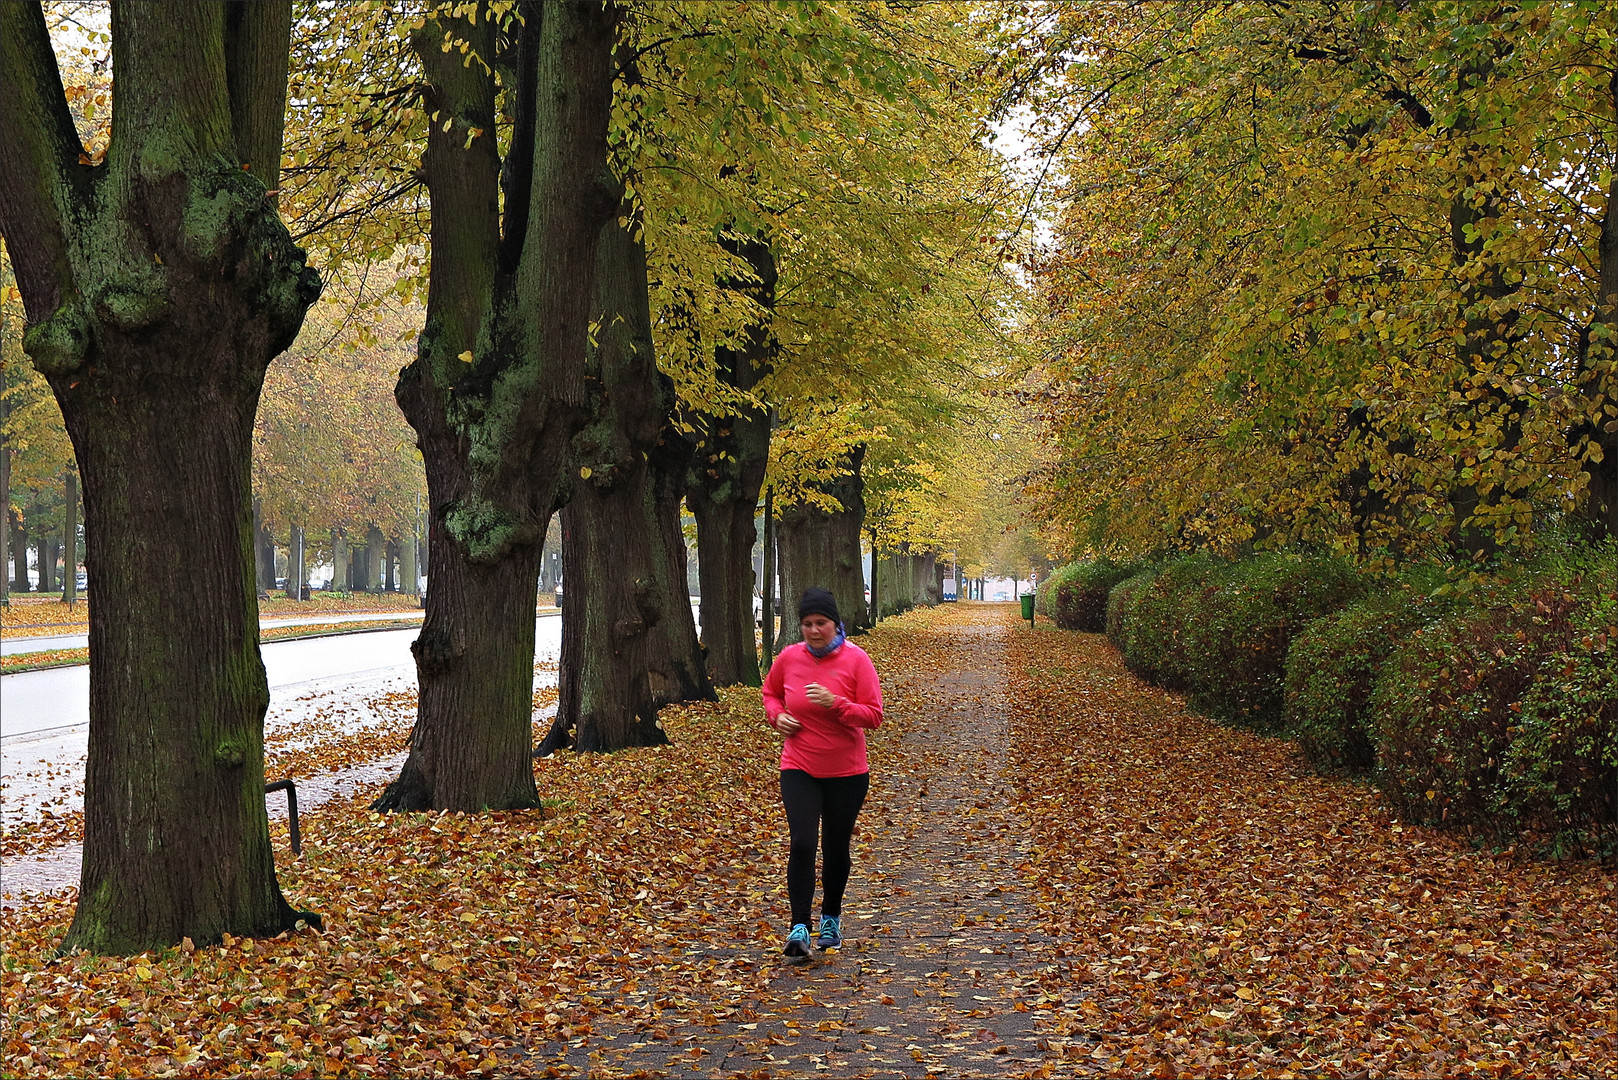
<point x="1074" y="597"/>
<point x="1491" y="705"/>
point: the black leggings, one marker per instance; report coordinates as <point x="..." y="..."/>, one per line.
<point x="808" y="801"/>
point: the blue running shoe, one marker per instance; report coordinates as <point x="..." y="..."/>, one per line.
<point x="831" y="932"/>
<point x="797" y="947"/>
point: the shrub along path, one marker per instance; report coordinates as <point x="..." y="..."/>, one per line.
<point x="1155" y="894"/>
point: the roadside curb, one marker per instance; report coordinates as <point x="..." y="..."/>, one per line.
<point x="396" y="624"/>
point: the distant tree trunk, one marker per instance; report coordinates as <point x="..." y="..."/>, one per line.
<point x="19" y="551"/>
<point x="158" y="287"/>
<point x="390" y="555"/>
<point x="407" y="563"/>
<point x="294" y="560"/>
<point x="547" y="579"/>
<point x="768" y="602"/>
<point x="670" y="464"/>
<point x="47" y="563"/>
<point x="821" y="549"/>
<point x="263" y="552"/>
<point x="496" y="392"/>
<point x="617" y="666"/>
<point x="5" y="466"/>
<point x="727" y="471"/>
<point x="375" y="557"/>
<point x="339" y="560"/>
<point x="875" y="606"/>
<point x="932" y="579"/>
<point x="70" y="538"/>
<point x="5" y="519"/>
<point x="901" y="578"/>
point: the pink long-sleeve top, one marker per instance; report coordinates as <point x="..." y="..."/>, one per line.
<point x="831" y="741"/>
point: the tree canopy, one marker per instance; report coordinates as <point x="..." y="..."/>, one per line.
<point x="1323" y="274"/>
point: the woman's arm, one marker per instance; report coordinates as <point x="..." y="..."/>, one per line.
<point x="864" y="709"/>
<point x="775" y="690"/>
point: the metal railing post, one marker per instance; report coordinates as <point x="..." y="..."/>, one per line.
<point x="292" y="810"/>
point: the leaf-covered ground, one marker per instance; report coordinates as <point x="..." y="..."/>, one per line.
<point x="1059" y="871"/>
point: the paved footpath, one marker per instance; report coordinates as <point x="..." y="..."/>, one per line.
<point x="942" y="973"/>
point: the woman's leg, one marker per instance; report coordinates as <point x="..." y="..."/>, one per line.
<point x="801" y="794"/>
<point x="843" y="799"/>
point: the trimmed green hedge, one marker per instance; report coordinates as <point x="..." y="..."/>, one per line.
<point x="1332" y="666"/>
<point x="1503" y="714"/>
<point x="1152" y="620"/>
<point x="1220" y="630"/>
<point x="1075" y="596"/>
<point x="1489" y="703"/>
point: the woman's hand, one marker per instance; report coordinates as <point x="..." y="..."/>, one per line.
<point x="819" y="695"/>
<point x="785" y="724"/>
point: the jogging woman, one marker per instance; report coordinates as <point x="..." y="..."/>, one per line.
<point x="821" y="694"/>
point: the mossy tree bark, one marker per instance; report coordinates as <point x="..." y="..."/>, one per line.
<point x="820" y="548"/>
<point x="158" y="286"/>
<point x="496" y="392"/>
<point x="623" y="606"/>
<point x="732" y="454"/>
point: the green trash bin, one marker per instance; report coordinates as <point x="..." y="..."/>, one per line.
<point x="1028" y="607"/>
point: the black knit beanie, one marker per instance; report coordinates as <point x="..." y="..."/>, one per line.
<point x="818" y="602"/>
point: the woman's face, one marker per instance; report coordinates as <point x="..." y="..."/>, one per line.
<point x="817" y="630"/>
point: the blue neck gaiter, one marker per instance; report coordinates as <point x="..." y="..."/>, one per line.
<point x="831" y="646"/>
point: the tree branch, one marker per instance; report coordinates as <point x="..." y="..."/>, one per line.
<point x="39" y="151"/>
<point x="517" y="175"/>
<point x="258" y="44"/>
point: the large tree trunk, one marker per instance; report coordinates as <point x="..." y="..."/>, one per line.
<point x="478" y="670"/>
<point x="618" y="668"/>
<point x="821" y="549"/>
<point x="727" y="472"/>
<point x="158" y="287"/>
<point x="496" y="392"/>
